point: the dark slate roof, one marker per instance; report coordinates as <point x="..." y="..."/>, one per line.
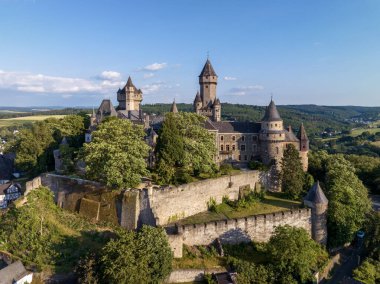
<point x="197" y="98"/>
<point x="13" y="273"/>
<point x="216" y="102"/>
<point x="106" y="108"/>
<point x="316" y="195"/>
<point x="174" y="108"/>
<point x="207" y="70"/>
<point x="129" y="83"/>
<point x="271" y="113"/>
<point x="233" y="126"/>
<point x="290" y="136"/>
<point x="4" y="187"/>
<point x="302" y="133"/>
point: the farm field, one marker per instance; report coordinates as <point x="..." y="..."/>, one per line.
<point x="25" y="120"/>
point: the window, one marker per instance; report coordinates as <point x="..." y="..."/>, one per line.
<point x="206" y="86"/>
<point x="242" y="147"/>
<point x="227" y="147"/>
<point x="239" y="157"/>
<point x="252" y="158"/>
<point x="275" y="125"/>
<point x="280" y="134"/>
<point x="233" y="138"/>
<point x="243" y="138"/>
<point x="233" y="147"/>
<point x="254" y="138"/>
<point x="267" y="134"/>
<point x="254" y="148"/>
<point x="221" y="147"/>
<point x="245" y="157"/>
<point x="221" y="138"/>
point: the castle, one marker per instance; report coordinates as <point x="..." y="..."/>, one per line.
<point x="236" y="142"/>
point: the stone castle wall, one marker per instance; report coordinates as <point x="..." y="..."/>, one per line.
<point x="173" y="203"/>
<point x="258" y="228"/>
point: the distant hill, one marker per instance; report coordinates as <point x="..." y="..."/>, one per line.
<point x="315" y="118"/>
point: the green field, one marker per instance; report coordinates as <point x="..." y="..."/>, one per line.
<point x="18" y="121"/>
<point x="270" y="204"/>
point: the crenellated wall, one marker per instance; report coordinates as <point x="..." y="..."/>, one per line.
<point x="258" y="228"/>
<point x="173" y="203"/>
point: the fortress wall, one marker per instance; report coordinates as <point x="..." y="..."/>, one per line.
<point x="258" y="228"/>
<point x="173" y="203"/>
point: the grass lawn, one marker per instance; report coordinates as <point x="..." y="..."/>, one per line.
<point x="272" y="202"/>
<point x="17" y="121"/>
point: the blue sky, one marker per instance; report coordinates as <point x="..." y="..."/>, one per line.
<point x="73" y="53"/>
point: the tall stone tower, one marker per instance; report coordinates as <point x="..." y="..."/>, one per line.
<point x="208" y="81"/>
<point x="205" y="102"/>
<point x="174" y="108"/>
<point x="272" y="136"/>
<point x="129" y="97"/>
<point x="304" y="147"/>
<point x="317" y="201"/>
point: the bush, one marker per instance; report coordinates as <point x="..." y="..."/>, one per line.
<point x="226" y="169"/>
<point x="256" y="165"/>
<point x="212" y="206"/>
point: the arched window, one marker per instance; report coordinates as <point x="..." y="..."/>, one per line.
<point x="277" y="150"/>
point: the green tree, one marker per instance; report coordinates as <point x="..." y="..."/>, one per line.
<point x="184" y="146"/>
<point x="368" y="272"/>
<point x="348" y="201"/>
<point x="143" y="257"/>
<point x="292" y="252"/>
<point x="116" y="156"/>
<point x="292" y="175"/>
<point x="251" y="273"/>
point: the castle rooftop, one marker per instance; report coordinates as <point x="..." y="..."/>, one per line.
<point x="316" y="195"/>
<point x="271" y="113"/>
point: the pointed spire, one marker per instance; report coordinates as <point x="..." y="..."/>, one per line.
<point x="271" y="113"/>
<point x="302" y="133"/>
<point x="197" y="98"/>
<point x="129" y="83"/>
<point x="216" y="102"/>
<point x="207" y="70"/>
<point x="174" y="107"/>
<point x="316" y="195"/>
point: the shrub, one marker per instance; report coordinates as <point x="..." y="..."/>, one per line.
<point x="212" y="206"/>
<point x="226" y="169"/>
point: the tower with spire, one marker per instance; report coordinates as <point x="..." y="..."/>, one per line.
<point x="303" y="146"/>
<point x="272" y="135"/>
<point x="174" y="108"/>
<point x="317" y="201"/>
<point x="129" y="97"/>
<point x="205" y="102"/>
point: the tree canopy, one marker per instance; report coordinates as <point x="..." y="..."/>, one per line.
<point x="184" y="146"/>
<point x="143" y="257"/>
<point x="295" y="254"/>
<point x="292" y="175"/>
<point x="117" y="154"/>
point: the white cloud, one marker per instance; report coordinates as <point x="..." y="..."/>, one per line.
<point x="155" y="66"/>
<point x="227" y="78"/>
<point x="148" y="75"/>
<point x="242" y="91"/>
<point x="67" y="96"/>
<point x="110" y="75"/>
<point x="39" y="83"/>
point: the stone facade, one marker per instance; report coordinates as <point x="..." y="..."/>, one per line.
<point x="258" y="228"/>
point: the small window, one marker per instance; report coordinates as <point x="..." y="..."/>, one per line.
<point x="239" y="157"/>
<point x="245" y="158"/>
<point x="252" y="158"/>
<point x="242" y="147"/>
<point x="280" y="134"/>
<point x="267" y="134"/>
<point x="233" y="138"/>
<point x="206" y="87"/>
<point x="221" y="138"/>
<point x="233" y="147"/>
<point x="221" y="147"/>
<point x="275" y="125"/>
<point x="243" y="138"/>
<point x="227" y="147"/>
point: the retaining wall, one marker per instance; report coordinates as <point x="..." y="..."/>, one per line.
<point x="258" y="228"/>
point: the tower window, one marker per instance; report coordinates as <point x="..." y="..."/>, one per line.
<point x="227" y="147"/>
<point x="233" y="147"/>
<point x="206" y="86"/>
<point x="233" y="138"/>
<point x="275" y="125"/>
<point x="245" y="157"/>
<point x="239" y="157"/>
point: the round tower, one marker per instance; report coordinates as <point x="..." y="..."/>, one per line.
<point x="197" y="103"/>
<point x="208" y="81"/>
<point x="272" y="135"/>
<point x="216" y="110"/>
<point x="304" y="147"/>
<point x="317" y="201"/>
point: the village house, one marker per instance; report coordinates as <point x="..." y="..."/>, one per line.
<point x="15" y="273"/>
<point x="8" y="193"/>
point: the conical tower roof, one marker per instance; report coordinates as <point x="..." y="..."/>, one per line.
<point x="271" y="113"/>
<point x="302" y="133"/>
<point x="197" y="98"/>
<point x="129" y="83"/>
<point x="207" y="70"/>
<point x="316" y="195"/>
<point x="174" y="107"/>
<point x="216" y="102"/>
